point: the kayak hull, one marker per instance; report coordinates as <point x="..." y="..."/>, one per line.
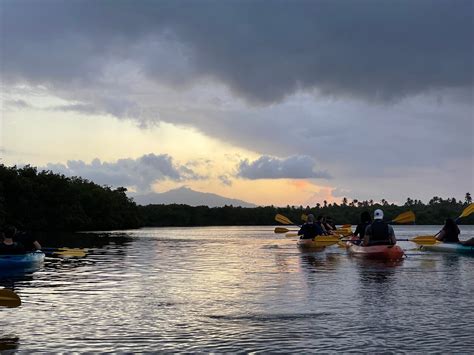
<point x="309" y="244"/>
<point x="21" y="260"/>
<point x="378" y="252"/>
<point x="450" y="248"/>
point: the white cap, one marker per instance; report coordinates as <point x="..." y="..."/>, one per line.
<point x="378" y="214"/>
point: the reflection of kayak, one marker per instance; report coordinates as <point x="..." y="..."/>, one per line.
<point x="380" y="252"/>
<point x="450" y="248"/>
<point x="21" y="260"/>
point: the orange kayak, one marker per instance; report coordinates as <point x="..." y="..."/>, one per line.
<point x="379" y="252"/>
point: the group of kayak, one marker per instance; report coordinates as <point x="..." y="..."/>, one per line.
<point x="376" y="238"/>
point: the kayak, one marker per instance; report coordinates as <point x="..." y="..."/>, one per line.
<point x="345" y="232"/>
<point x="309" y="244"/>
<point x="380" y="252"/>
<point x="21" y="260"/>
<point x="450" y="248"/>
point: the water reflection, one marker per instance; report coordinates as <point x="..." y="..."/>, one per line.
<point x="8" y="343"/>
<point x="228" y="290"/>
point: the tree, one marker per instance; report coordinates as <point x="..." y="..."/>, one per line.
<point x="468" y="198"/>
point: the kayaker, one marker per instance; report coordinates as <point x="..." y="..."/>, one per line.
<point x="28" y="241"/>
<point x="450" y="232"/>
<point x="379" y="232"/>
<point x="365" y="221"/>
<point x="8" y="245"/>
<point x="320" y="223"/>
<point x="329" y="224"/>
<point x="310" y="229"/>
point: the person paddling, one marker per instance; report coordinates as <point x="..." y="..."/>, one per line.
<point x="329" y="224"/>
<point x="8" y="245"/>
<point x="320" y="223"/>
<point x="450" y="233"/>
<point x="310" y="229"/>
<point x="379" y="232"/>
<point x="365" y="221"/>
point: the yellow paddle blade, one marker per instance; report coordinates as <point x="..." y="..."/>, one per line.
<point x="70" y="253"/>
<point x="291" y="235"/>
<point x="405" y="217"/>
<point x="281" y="230"/>
<point x="424" y="240"/>
<point x="304" y="217"/>
<point x="282" y="219"/>
<point x="325" y="240"/>
<point x="9" y="299"/>
<point x="467" y="211"/>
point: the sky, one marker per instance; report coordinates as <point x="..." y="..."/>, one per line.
<point x="271" y="102"/>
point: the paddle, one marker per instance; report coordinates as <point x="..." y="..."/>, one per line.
<point x="9" y="299"/>
<point x="281" y="230"/>
<point x="404" y="218"/>
<point x="284" y="220"/>
<point x="67" y="252"/>
<point x="466" y="212"/>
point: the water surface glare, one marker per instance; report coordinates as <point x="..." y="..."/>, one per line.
<point x="239" y="289"/>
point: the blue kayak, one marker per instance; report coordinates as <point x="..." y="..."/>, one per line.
<point x="450" y="248"/>
<point x="21" y="260"/>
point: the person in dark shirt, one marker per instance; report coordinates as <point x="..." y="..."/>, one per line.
<point x="365" y="221"/>
<point x="8" y="245"/>
<point x="379" y="232"/>
<point x="310" y="229"/>
<point x="450" y="232"/>
<point x="329" y="224"/>
<point x="28" y="241"/>
<point x="320" y="223"/>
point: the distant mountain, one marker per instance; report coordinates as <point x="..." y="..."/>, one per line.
<point x="184" y="195"/>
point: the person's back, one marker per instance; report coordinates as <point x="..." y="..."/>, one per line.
<point x="379" y="232"/>
<point x="365" y="221"/>
<point x="450" y="232"/>
<point x="28" y="241"/>
<point x="309" y="230"/>
<point x="8" y="245"/>
<point x="320" y="224"/>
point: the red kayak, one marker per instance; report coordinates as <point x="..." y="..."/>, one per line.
<point x="379" y="252"/>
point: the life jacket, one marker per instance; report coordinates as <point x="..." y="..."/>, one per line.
<point x="379" y="233"/>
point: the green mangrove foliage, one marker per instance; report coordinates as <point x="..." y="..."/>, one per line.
<point x="45" y="201"/>
<point x="42" y="201"/>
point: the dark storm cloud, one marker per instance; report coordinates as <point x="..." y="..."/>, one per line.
<point x="295" y="167"/>
<point x="262" y="50"/>
<point x="140" y="173"/>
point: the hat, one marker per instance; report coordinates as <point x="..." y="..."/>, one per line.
<point x="378" y="214"/>
<point x="310" y="218"/>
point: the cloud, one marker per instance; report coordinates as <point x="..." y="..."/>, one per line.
<point x="225" y="179"/>
<point x="17" y="104"/>
<point x="295" y="167"/>
<point x="378" y="93"/>
<point x="138" y="173"/>
<point x="263" y="51"/>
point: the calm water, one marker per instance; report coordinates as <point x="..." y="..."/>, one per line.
<point x="240" y="289"/>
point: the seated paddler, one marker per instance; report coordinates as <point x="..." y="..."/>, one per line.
<point x="310" y="229"/>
